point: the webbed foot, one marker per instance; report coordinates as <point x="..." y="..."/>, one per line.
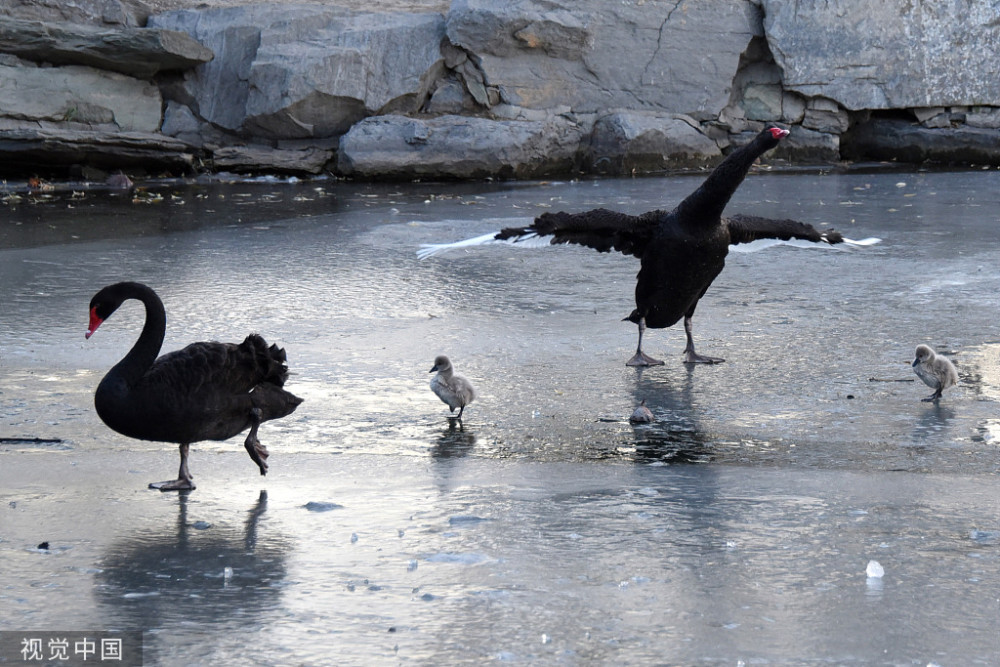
<point x="174" y="485"/>
<point x="258" y="452"/>
<point x="642" y="359"/>
<point x="691" y="357"/>
<point x="185" y="480"/>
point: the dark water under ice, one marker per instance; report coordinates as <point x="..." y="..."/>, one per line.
<point x="546" y="529"/>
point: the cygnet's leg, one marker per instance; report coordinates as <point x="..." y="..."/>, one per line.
<point x="690" y="356"/>
<point x="256" y="450"/>
<point x="184" y="480"/>
<point x="933" y="397"/>
<point x="641" y="358"/>
<point x="461" y="409"/>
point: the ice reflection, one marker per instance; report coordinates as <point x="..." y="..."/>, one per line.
<point x="675" y="436"/>
<point x="454" y="441"/>
<point x="932" y="423"/>
<point x="194" y="573"/>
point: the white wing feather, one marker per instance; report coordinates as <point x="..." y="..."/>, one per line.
<point x="761" y="244"/>
<point x="529" y="240"/>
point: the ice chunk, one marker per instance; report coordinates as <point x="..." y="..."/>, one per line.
<point x="313" y="506"/>
<point x="984" y="536"/>
<point x="465" y="520"/>
<point x="874" y="569"/>
<point x="459" y="558"/>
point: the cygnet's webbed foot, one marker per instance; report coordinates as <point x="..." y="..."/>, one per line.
<point x="174" y="485"/>
<point x="641" y="359"/>
<point x="692" y="357"/>
<point x="933" y="398"/>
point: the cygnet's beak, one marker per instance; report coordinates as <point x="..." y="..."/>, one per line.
<point x="915" y="362"/>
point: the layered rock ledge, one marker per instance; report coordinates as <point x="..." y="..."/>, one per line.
<point x="479" y="89"/>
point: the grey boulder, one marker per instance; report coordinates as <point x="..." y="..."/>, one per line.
<point x="393" y="147"/>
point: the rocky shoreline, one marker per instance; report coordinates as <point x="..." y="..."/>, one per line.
<point x="475" y="89"/>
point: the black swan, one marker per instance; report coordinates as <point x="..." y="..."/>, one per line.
<point x="206" y="391"/>
<point x="681" y="251"/>
<point x="937" y="372"/>
<point x="455" y="390"/>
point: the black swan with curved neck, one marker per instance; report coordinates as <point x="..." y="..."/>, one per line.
<point x="681" y="251"/>
<point x="205" y="391"/>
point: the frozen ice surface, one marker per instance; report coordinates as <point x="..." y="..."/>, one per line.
<point x="874" y="569"/>
<point x="764" y="451"/>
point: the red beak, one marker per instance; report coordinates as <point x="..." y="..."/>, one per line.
<point x="95" y="322"/>
<point x="778" y="133"/>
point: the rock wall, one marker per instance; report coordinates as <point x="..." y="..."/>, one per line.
<point x="675" y="57"/>
<point x="298" y="71"/>
<point x="886" y="55"/>
<point x="518" y="89"/>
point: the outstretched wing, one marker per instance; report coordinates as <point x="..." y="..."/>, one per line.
<point x="749" y="228"/>
<point x="751" y="233"/>
<point x="600" y="229"/>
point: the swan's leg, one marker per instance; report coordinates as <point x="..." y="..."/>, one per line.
<point x="690" y="356"/>
<point x="460" y="411"/>
<point x="641" y="358"/>
<point x="256" y="450"/>
<point x="184" y="480"/>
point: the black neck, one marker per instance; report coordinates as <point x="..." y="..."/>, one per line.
<point x="708" y="201"/>
<point x="142" y="355"/>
